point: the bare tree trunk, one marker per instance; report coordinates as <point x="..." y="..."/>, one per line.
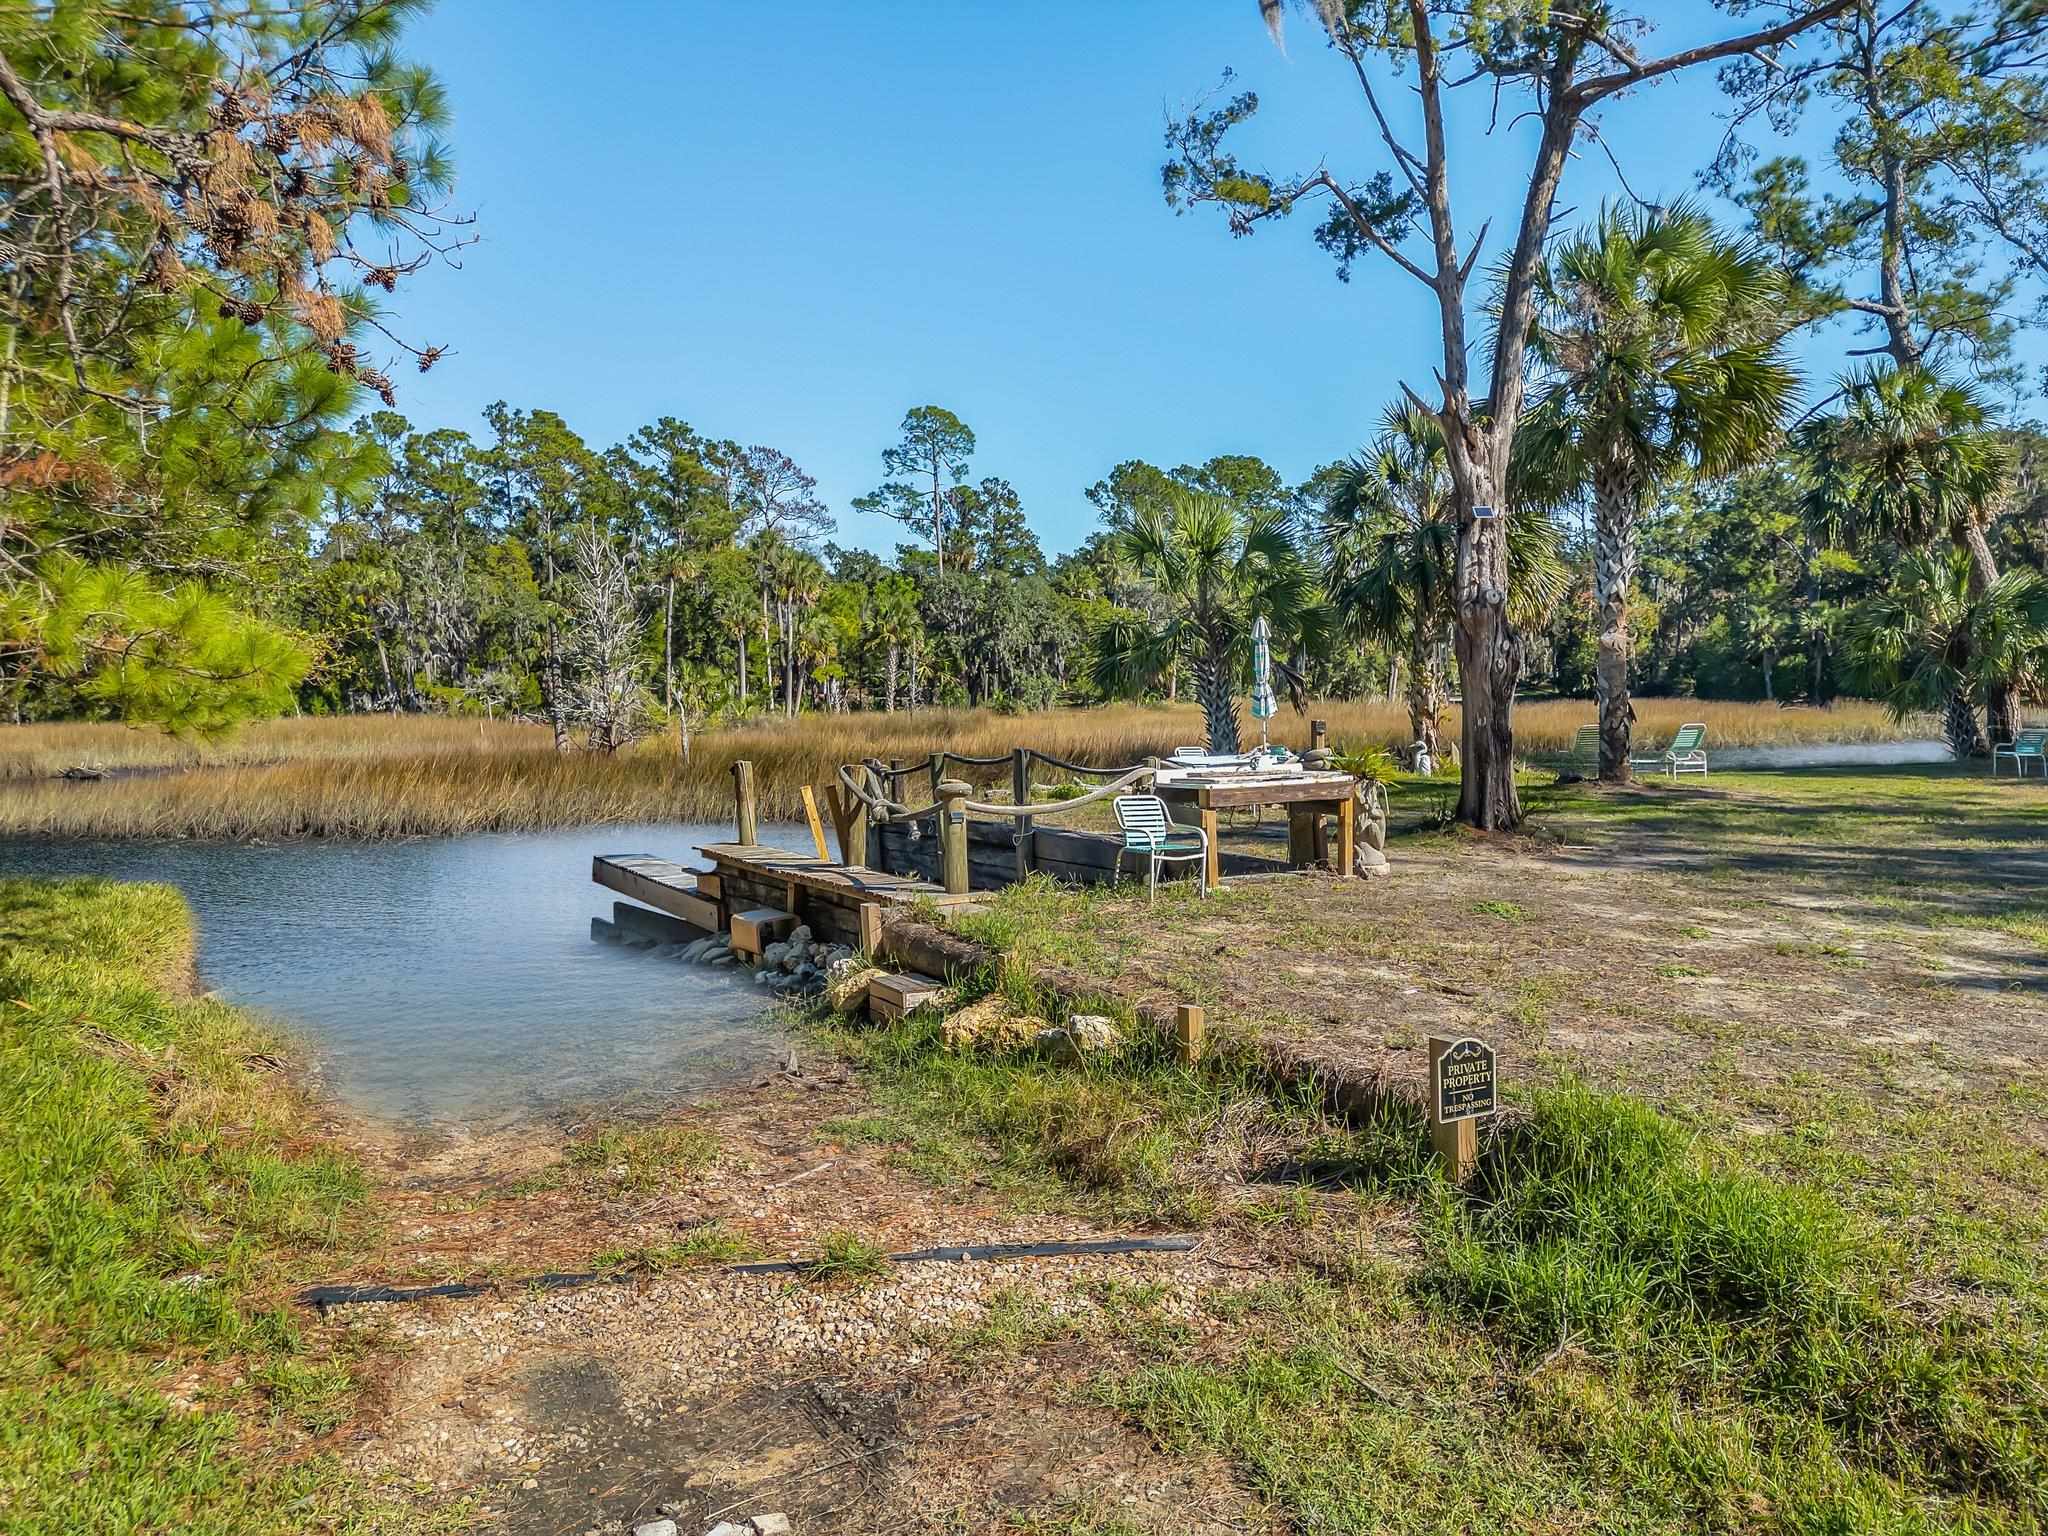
<point x="1614" y="564"/>
<point x="668" y="645"/>
<point x="1425" y="692"/>
<point x="1489" y="658"/>
<point x="743" y="665"/>
<point x="894" y="651"/>
<point x="1770" y="668"/>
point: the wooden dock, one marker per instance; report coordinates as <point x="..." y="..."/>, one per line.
<point x="752" y="876"/>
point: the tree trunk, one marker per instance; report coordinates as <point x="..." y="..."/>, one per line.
<point x="1959" y="726"/>
<point x="1488" y="648"/>
<point x="890" y="705"/>
<point x="1614" y="564"/>
<point x="1219" y="705"/>
<point x="2001" y="698"/>
<point x="743" y="665"/>
<point x="1393" y="677"/>
<point x="1425" y="693"/>
<point x="1770" y="670"/>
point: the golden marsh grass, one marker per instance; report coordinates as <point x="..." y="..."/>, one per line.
<point x="412" y="776"/>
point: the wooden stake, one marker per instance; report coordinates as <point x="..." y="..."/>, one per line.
<point x="870" y="914"/>
<point x="952" y="832"/>
<point x="1187" y="1033"/>
<point x="748" y="811"/>
<point x="1347" y="837"/>
<point x="1318" y="735"/>
<point x="1020" y="794"/>
<point x="817" y="826"/>
<point x="1456" y="1142"/>
<point x="1214" y="871"/>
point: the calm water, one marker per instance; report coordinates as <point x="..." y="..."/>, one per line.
<point x="452" y="980"/>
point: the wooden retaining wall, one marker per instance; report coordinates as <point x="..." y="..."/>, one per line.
<point x="1079" y="858"/>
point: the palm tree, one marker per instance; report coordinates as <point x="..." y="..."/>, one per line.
<point x="1907" y="461"/>
<point x="1389" y="538"/>
<point x="1659" y="351"/>
<point x="895" y="620"/>
<point x="1924" y="642"/>
<point x="1215" y="565"/>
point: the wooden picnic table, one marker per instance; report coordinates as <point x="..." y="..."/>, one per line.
<point x="1308" y="798"/>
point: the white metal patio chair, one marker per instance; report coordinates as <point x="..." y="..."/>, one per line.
<point x="2026" y="747"/>
<point x="1148" y="830"/>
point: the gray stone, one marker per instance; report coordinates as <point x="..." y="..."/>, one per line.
<point x="656" y="1528"/>
<point x="774" y="954"/>
<point x="763" y="976"/>
<point x="800" y="934"/>
<point x="1085" y="1034"/>
<point x="726" y="1528"/>
<point x="770" y="1525"/>
<point x="1370" y="862"/>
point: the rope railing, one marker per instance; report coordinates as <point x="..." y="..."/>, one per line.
<point x="896" y="810"/>
<point x="1060" y="762"/>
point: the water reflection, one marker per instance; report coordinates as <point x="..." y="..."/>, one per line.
<point x="452" y="980"/>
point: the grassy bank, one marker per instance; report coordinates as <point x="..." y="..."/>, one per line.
<point x="382" y="776"/>
<point x="1760" y="1252"/>
<point x="160" y="1187"/>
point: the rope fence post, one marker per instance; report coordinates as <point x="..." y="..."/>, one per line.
<point x="952" y="797"/>
<point x="747" y="810"/>
<point x="1020" y="792"/>
<point x="938" y="772"/>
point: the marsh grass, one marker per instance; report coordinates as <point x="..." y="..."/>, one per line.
<point x="160" y="1185"/>
<point x="403" y="776"/>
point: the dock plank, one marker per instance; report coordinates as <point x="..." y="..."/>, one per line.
<point x="813" y="873"/>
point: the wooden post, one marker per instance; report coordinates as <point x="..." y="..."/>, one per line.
<point x="749" y="811"/>
<point x="817" y="826"/>
<point x="1301" y="835"/>
<point x="1318" y="735"/>
<point x="1020" y="794"/>
<point x="849" y="823"/>
<point x="1187" y="1033"/>
<point x="1347" y="842"/>
<point x="1214" y="873"/>
<point x="871" y="844"/>
<point x="953" y="834"/>
<point x="1455" y="1141"/>
<point x="938" y="772"/>
<point x="870" y="914"/>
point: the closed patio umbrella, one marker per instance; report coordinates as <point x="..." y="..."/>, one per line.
<point x="1264" y="705"/>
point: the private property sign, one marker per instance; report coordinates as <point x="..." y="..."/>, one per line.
<point x="1464" y="1081"/>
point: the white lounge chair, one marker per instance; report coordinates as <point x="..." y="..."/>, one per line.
<point x="1148" y="830"/>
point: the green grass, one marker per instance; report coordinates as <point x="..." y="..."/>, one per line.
<point x="1122" y="1136"/>
<point x="160" y="1187"/>
<point x="1610" y="1331"/>
<point x="712" y="1243"/>
<point x="846" y="1258"/>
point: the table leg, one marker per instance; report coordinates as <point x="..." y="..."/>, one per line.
<point x="1215" y="868"/>
<point x="1301" y="850"/>
<point x="1347" y="812"/>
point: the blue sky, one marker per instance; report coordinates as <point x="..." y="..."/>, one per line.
<point x="789" y="223"/>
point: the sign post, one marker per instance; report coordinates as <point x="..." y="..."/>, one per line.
<point x="1461" y="1092"/>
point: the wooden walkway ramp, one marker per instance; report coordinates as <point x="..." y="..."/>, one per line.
<point x="750" y="877"/>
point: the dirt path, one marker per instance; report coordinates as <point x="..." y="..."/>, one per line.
<point x="899" y="1403"/>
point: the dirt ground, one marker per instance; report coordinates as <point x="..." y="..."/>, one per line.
<point x="850" y="1406"/>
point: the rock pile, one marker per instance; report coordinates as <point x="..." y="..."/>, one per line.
<point x="798" y="963"/>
